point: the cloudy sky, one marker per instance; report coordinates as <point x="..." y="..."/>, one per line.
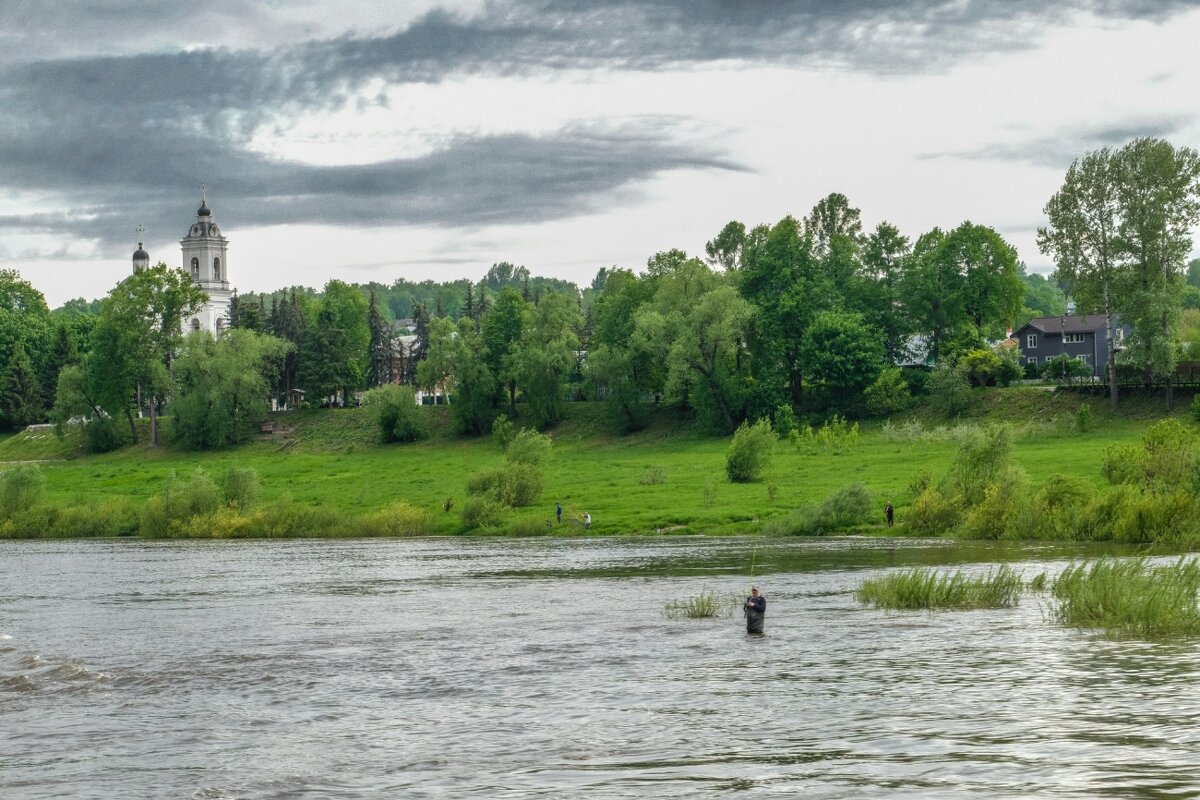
<point x="364" y="140"/>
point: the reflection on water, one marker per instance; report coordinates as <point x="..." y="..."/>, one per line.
<point x="545" y="668"/>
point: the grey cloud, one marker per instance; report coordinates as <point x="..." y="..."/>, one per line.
<point x="1061" y="149"/>
<point x="473" y="181"/>
<point x="122" y="137"/>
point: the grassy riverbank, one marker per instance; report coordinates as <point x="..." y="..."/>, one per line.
<point x="669" y="478"/>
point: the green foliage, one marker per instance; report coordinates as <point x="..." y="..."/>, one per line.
<point x="480" y="512"/>
<point x="1004" y="500"/>
<point x="843" y="353"/>
<point x="981" y="367"/>
<point x="949" y="391"/>
<point x="927" y="589"/>
<point x="530" y="448"/>
<point x="982" y="460"/>
<point x="1083" y="418"/>
<point x="846" y="508"/>
<point x="1064" y="368"/>
<point x="239" y="486"/>
<point x="750" y="452"/>
<point x="889" y="393"/>
<point x="399" y="417"/>
<point x="933" y="513"/>
<point x="1130" y="598"/>
<point x="504" y="431"/>
<point x="223" y="386"/>
<point x="836" y="436"/>
<point x="168" y="513"/>
<point x="398" y="519"/>
<point x="1195" y="407"/>
<point x="21" y="487"/>
<point x="514" y="485"/>
<point x="705" y="605"/>
<point x="20" y="391"/>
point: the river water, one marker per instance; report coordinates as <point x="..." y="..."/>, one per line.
<point x="546" y="668"/>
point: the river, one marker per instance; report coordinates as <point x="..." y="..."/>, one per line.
<point x="546" y="668"/>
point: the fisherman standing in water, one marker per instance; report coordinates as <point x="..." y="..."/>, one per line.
<point x="755" y="608"/>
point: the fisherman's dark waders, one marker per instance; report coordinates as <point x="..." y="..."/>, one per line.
<point x="754" y="620"/>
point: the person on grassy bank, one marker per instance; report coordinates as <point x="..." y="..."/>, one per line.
<point x="889" y="512"/>
<point x="756" y="609"/>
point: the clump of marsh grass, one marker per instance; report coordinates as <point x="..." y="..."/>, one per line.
<point x="706" y="604"/>
<point x="923" y="588"/>
<point x="1131" y="598"/>
<point x="1038" y="583"/>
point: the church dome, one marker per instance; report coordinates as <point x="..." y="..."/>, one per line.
<point x="140" y="254"/>
<point x="203" y="210"/>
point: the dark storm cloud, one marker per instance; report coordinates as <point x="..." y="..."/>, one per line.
<point x="124" y="137"/>
<point x="1060" y="149"/>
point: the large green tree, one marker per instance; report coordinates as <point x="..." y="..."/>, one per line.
<point x="138" y="332"/>
<point x="223" y="385"/>
<point x="545" y="357"/>
<point x="1158" y="189"/>
<point x="1082" y="238"/>
<point x="24" y="328"/>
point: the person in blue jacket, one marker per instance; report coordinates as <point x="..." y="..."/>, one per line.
<point x="756" y="609"/>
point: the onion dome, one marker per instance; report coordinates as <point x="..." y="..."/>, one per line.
<point x="140" y="254"/>
<point x="203" y="210"/>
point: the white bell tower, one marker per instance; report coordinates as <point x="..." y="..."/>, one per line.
<point x="204" y="258"/>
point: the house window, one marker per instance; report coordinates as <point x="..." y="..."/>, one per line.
<point x="1086" y="359"/>
<point x="216" y="269"/>
<point x="195" y="269"/>
<point x="1031" y="341"/>
<point x="1072" y="338"/>
<point x="1031" y="360"/>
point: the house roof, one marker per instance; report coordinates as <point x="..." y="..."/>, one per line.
<point x="1087" y="323"/>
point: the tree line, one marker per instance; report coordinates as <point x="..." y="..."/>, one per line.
<point x="803" y="316"/>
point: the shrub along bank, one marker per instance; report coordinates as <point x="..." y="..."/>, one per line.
<point x="326" y="473"/>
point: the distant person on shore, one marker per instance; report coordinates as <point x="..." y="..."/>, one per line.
<point x="889" y="512"/>
<point x="756" y="609"/>
<point x="587" y="521"/>
<point x="558" y="512"/>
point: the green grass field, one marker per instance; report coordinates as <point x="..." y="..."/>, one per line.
<point x="669" y="478"/>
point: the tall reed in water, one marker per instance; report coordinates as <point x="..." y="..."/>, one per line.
<point x="705" y="604"/>
<point x="1130" y="598"/>
<point x="923" y="588"/>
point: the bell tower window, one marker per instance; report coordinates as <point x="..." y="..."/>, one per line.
<point x="195" y="324"/>
<point x="216" y="269"/>
<point x="195" y="269"/>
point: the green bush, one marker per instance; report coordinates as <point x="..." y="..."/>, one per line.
<point x="529" y="447"/>
<point x="480" y="512"/>
<point x="1083" y="418"/>
<point x="653" y="476"/>
<point x="949" y="391"/>
<point x="399" y="417"/>
<point x="512" y="485"/>
<point x="848" y="507"/>
<point x="104" y="436"/>
<point x="933" y="513"/>
<point x="980" y="366"/>
<point x="982" y="458"/>
<point x="1195" y="407"/>
<point x="1002" y="505"/>
<point x="21" y="487"/>
<point x="750" y="452"/>
<point x="503" y="431"/>
<point x="398" y="519"/>
<point x="239" y="486"/>
<point x="888" y="394"/>
<point x="1120" y="464"/>
<point x="179" y="502"/>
